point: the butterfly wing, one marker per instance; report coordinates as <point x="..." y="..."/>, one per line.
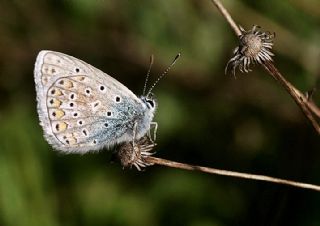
<point x="80" y="107"/>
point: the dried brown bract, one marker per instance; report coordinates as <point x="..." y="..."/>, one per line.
<point x="135" y="154"/>
<point x="254" y="48"/>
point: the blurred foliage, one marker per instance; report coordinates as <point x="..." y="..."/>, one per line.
<point x="247" y="124"/>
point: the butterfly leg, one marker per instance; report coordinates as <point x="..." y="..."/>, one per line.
<point x="135" y="156"/>
<point x="155" y="125"/>
<point x="141" y="149"/>
<point x="134" y="131"/>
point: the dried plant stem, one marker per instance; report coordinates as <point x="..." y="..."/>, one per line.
<point x="314" y="108"/>
<point x="159" y="161"/>
<point x="298" y="97"/>
<point x="227" y="16"/>
<point x="309" y="109"/>
<point x="303" y="102"/>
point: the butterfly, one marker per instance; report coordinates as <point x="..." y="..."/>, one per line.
<point x="83" y="109"/>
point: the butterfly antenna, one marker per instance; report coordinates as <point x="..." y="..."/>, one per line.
<point x="164" y="73"/>
<point x="147" y="76"/>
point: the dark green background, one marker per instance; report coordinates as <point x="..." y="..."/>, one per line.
<point x="247" y="124"/>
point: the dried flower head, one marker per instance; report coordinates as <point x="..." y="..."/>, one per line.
<point x="135" y="155"/>
<point x="254" y="47"/>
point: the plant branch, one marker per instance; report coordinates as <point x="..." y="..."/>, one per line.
<point x="309" y="109"/>
<point x="159" y="161"/>
<point x="139" y="154"/>
<point x="227" y="16"/>
<point x="298" y="97"/>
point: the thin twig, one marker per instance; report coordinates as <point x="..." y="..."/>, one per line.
<point x="227" y="16"/>
<point x="314" y="108"/>
<point x="309" y="109"/>
<point x="298" y="97"/>
<point x="306" y="106"/>
<point x="178" y="165"/>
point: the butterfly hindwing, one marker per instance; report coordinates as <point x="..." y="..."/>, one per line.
<point x="80" y="107"/>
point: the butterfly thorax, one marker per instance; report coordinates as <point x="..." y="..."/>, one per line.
<point x="138" y="120"/>
<point x="144" y="120"/>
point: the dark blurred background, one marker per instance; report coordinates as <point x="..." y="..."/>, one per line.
<point x="247" y="124"/>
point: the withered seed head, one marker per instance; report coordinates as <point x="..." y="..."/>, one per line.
<point x="254" y="47"/>
<point x="135" y="155"/>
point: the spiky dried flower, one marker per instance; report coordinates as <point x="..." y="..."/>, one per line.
<point x="254" y="48"/>
<point x="135" y="155"/>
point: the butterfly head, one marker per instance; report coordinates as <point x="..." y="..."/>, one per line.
<point x="149" y="101"/>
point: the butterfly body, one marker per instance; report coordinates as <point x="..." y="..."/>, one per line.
<point x="83" y="109"/>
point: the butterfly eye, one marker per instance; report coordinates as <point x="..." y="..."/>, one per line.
<point x="151" y="103"/>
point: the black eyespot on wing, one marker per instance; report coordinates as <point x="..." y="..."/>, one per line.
<point x="88" y="91"/>
<point x="118" y="99"/>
